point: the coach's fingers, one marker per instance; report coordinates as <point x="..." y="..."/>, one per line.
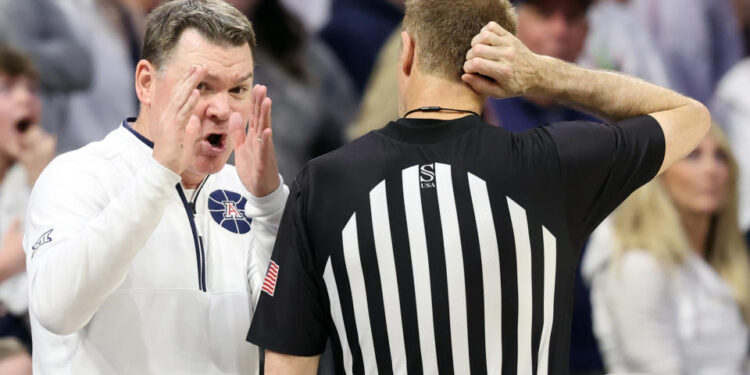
<point x="259" y="94"/>
<point x="264" y="121"/>
<point x="185" y="112"/>
<point x="267" y="152"/>
<point x="185" y="87"/>
<point x="192" y="134"/>
<point x="237" y="130"/>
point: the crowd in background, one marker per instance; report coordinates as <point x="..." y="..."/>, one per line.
<point x="665" y="282"/>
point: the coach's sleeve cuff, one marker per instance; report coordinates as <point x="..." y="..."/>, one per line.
<point x="271" y="203"/>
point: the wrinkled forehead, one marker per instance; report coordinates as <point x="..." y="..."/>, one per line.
<point x="222" y="59"/>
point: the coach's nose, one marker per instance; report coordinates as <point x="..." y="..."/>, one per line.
<point x="219" y="108"/>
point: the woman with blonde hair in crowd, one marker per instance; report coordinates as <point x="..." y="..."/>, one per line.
<point x="669" y="272"/>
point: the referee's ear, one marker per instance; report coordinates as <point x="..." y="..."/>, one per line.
<point x="145" y="74"/>
<point x="407" y="53"/>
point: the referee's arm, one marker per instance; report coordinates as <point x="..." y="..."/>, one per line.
<point x="277" y="363"/>
<point x="499" y="65"/>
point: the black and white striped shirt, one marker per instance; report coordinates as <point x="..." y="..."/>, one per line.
<point x="447" y="246"/>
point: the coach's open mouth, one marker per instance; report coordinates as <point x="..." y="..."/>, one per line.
<point x="216" y="140"/>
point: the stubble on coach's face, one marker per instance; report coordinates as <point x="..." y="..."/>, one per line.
<point x="226" y="88"/>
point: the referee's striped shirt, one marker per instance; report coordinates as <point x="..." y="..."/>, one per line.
<point x="446" y="246"/>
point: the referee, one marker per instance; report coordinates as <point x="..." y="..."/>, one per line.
<point x="441" y="244"/>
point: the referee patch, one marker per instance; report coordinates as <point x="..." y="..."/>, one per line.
<point x="269" y="284"/>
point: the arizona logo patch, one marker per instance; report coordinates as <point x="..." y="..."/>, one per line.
<point x="269" y="284"/>
<point x="227" y="208"/>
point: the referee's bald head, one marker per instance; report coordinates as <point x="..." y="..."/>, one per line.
<point x="442" y="30"/>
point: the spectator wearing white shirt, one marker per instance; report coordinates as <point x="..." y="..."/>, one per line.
<point x="669" y="273"/>
<point x="731" y="106"/>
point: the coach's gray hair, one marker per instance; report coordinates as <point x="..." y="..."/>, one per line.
<point x="215" y="20"/>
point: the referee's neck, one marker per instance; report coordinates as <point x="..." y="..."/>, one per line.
<point x="431" y="91"/>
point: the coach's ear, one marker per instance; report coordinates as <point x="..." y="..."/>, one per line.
<point x="145" y="74"/>
<point x="407" y="53"/>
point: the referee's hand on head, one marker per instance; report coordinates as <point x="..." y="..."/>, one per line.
<point x="176" y="131"/>
<point x="499" y="64"/>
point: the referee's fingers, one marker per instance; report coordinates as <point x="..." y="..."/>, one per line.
<point x="487" y="52"/>
<point x="489" y="38"/>
<point x="493" y="69"/>
<point x="495" y="28"/>
<point x="483" y="85"/>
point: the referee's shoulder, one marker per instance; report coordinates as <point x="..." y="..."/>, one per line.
<point x="362" y="147"/>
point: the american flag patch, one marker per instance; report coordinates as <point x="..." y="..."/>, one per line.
<point x="269" y="284"/>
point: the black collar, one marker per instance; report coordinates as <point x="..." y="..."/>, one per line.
<point x="427" y="131"/>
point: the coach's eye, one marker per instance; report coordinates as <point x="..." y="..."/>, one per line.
<point x="201" y="86"/>
<point x="239" y="90"/>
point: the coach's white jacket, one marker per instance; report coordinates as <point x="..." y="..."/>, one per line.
<point x="125" y="278"/>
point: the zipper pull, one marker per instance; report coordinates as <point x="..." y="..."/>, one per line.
<point x="192" y="207"/>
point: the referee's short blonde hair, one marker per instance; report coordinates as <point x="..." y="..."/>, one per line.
<point x="443" y="29"/>
<point x="215" y="20"/>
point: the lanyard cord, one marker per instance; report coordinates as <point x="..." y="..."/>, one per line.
<point x="438" y="109"/>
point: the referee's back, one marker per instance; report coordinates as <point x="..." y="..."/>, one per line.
<point x="445" y="247"/>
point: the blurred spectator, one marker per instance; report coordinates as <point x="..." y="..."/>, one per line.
<point x="356" y="31"/>
<point x="699" y="40"/>
<point x="314" y="14"/>
<point x="44" y="33"/>
<point x="548" y="27"/>
<point x="25" y="149"/>
<point x="113" y="30"/>
<point x="379" y="102"/>
<point x="617" y="40"/>
<point x="313" y="99"/>
<point x="731" y="107"/>
<point x="670" y="275"/>
<point x="742" y="9"/>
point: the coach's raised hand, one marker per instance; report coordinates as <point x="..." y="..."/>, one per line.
<point x="177" y="130"/>
<point x="500" y="65"/>
<point x="254" y="154"/>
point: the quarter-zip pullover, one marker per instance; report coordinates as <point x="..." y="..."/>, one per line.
<point x="129" y="275"/>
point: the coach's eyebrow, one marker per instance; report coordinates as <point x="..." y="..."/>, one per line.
<point x="212" y="77"/>
<point x="245" y="77"/>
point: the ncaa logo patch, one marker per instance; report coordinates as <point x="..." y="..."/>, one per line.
<point x="227" y="208"/>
